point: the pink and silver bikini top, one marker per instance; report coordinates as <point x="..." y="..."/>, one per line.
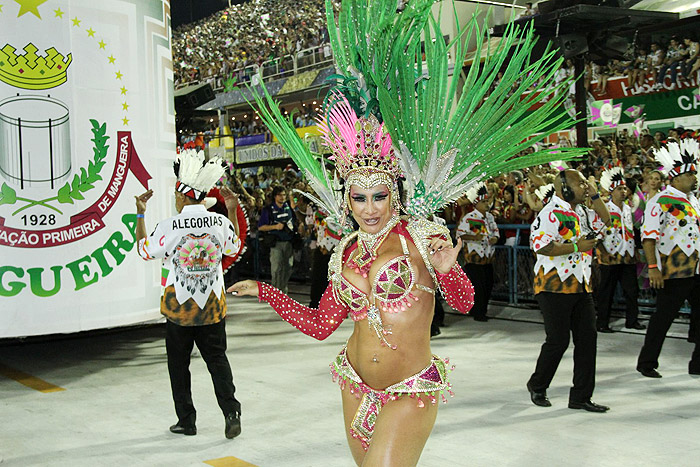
<point x="392" y="286"/>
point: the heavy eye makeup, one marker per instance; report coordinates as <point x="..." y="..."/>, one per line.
<point x="381" y="196"/>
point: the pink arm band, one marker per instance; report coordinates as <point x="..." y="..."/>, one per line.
<point x="318" y="324"/>
<point x="457" y="289"/>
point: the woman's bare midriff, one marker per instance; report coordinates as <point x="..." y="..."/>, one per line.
<point x="380" y="366"/>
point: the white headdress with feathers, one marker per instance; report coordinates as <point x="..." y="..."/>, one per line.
<point x="612" y="178"/>
<point x="678" y="158"/>
<point x="195" y="175"/>
<point x="477" y="193"/>
<point x="545" y="192"/>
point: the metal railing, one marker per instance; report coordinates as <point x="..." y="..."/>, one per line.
<point x="513" y="271"/>
<point x="281" y="67"/>
<point x="514" y="274"/>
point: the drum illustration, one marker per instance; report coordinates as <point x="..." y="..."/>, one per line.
<point x="34" y="141"/>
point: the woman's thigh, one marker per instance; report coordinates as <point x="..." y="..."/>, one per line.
<point x="350" y="406"/>
<point x="401" y="430"/>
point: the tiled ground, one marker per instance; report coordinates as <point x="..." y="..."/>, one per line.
<point x="116" y="406"/>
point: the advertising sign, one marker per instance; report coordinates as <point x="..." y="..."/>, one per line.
<point x="86" y="123"/>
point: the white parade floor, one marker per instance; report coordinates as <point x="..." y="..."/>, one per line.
<point x="116" y="407"/>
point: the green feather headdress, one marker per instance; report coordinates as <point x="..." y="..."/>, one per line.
<point x="452" y="130"/>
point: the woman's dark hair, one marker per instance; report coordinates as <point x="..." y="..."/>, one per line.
<point x="511" y="190"/>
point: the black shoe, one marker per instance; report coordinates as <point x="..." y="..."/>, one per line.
<point x="435" y="332"/>
<point x="538" y="397"/>
<point x="605" y="329"/>
<point x="588" y="406"/>
<point x="187" y="430"/>
<point x="636" y="325"/>
<point x="233" y="425"/>
<point x="649" y="372"/>
<point x="481" y="318"/>
<point x="693" y="369"/>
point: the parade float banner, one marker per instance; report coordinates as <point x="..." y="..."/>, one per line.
<point x="86" y="122"/>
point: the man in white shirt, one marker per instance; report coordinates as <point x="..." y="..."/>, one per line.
<point x="616" y="254"/>
<point x="671" y="241"/>
<point x="191" y="245"/>
<point x="480" y="233"/>
<point x="563" y="237"/>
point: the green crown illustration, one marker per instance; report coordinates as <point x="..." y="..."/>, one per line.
<point x="32" y="71"/>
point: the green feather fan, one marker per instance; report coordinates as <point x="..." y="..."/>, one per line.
<point x="453" y="130"/>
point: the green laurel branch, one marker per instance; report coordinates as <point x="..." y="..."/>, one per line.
<point x="85" y="181"/>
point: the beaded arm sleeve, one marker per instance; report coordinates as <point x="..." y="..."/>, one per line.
<point x="457" y="289"/>
<point x="317" y="323"/>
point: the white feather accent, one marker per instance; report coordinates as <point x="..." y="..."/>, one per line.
<point x="670" y="156"/>
<point x="440" y="185"/>
<point x="606" y="178"/>
<point x="195" y="173"/>
<point x="329" y="200"/>
<point x="545" y="191"/>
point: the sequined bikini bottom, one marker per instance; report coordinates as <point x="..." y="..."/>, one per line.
<point x="426" y="384"/>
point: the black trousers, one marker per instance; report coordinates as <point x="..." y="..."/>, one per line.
<point x="610" y="275"/>
<point x="566" y="314"/>
<point x="438" y="315"/>
<point x="319" y="276"/>
<point x="481" y="276"/>
<point x="211" y="342"/>
<point x="669" y="300"/>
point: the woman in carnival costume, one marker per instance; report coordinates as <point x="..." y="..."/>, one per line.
<point x="389" y="127"/>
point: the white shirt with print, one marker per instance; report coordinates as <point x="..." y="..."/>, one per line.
<point x="482" y="247"/>
<point x="614" y="241"/>
<point x="671" y="228"/>
<point x="558" y="222"/>
<point x="191" y="245"/>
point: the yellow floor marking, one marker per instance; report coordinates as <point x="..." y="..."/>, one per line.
<point x="229" y="462"/>
<point x="28" y="380"/>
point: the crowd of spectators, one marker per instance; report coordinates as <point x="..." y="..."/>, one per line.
<point x="678" y="57"/>
<point x="255" y="191"/>
<point x="512" y="195"/>
<point x="246" y="35"/>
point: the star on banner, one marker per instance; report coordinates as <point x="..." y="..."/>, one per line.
<point x="91" y="32"/>
<point x="111" y="59"/>
<point x="59" y="13"/>
<point x="29" y="6"/>
<point x="125" y="121"/>
<point x="76" y="21"/>
<point x="123" y="89"/>
<point x="118" y="74"/>
<point x="125" y="106"/>
<point x="102" y="44"/>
